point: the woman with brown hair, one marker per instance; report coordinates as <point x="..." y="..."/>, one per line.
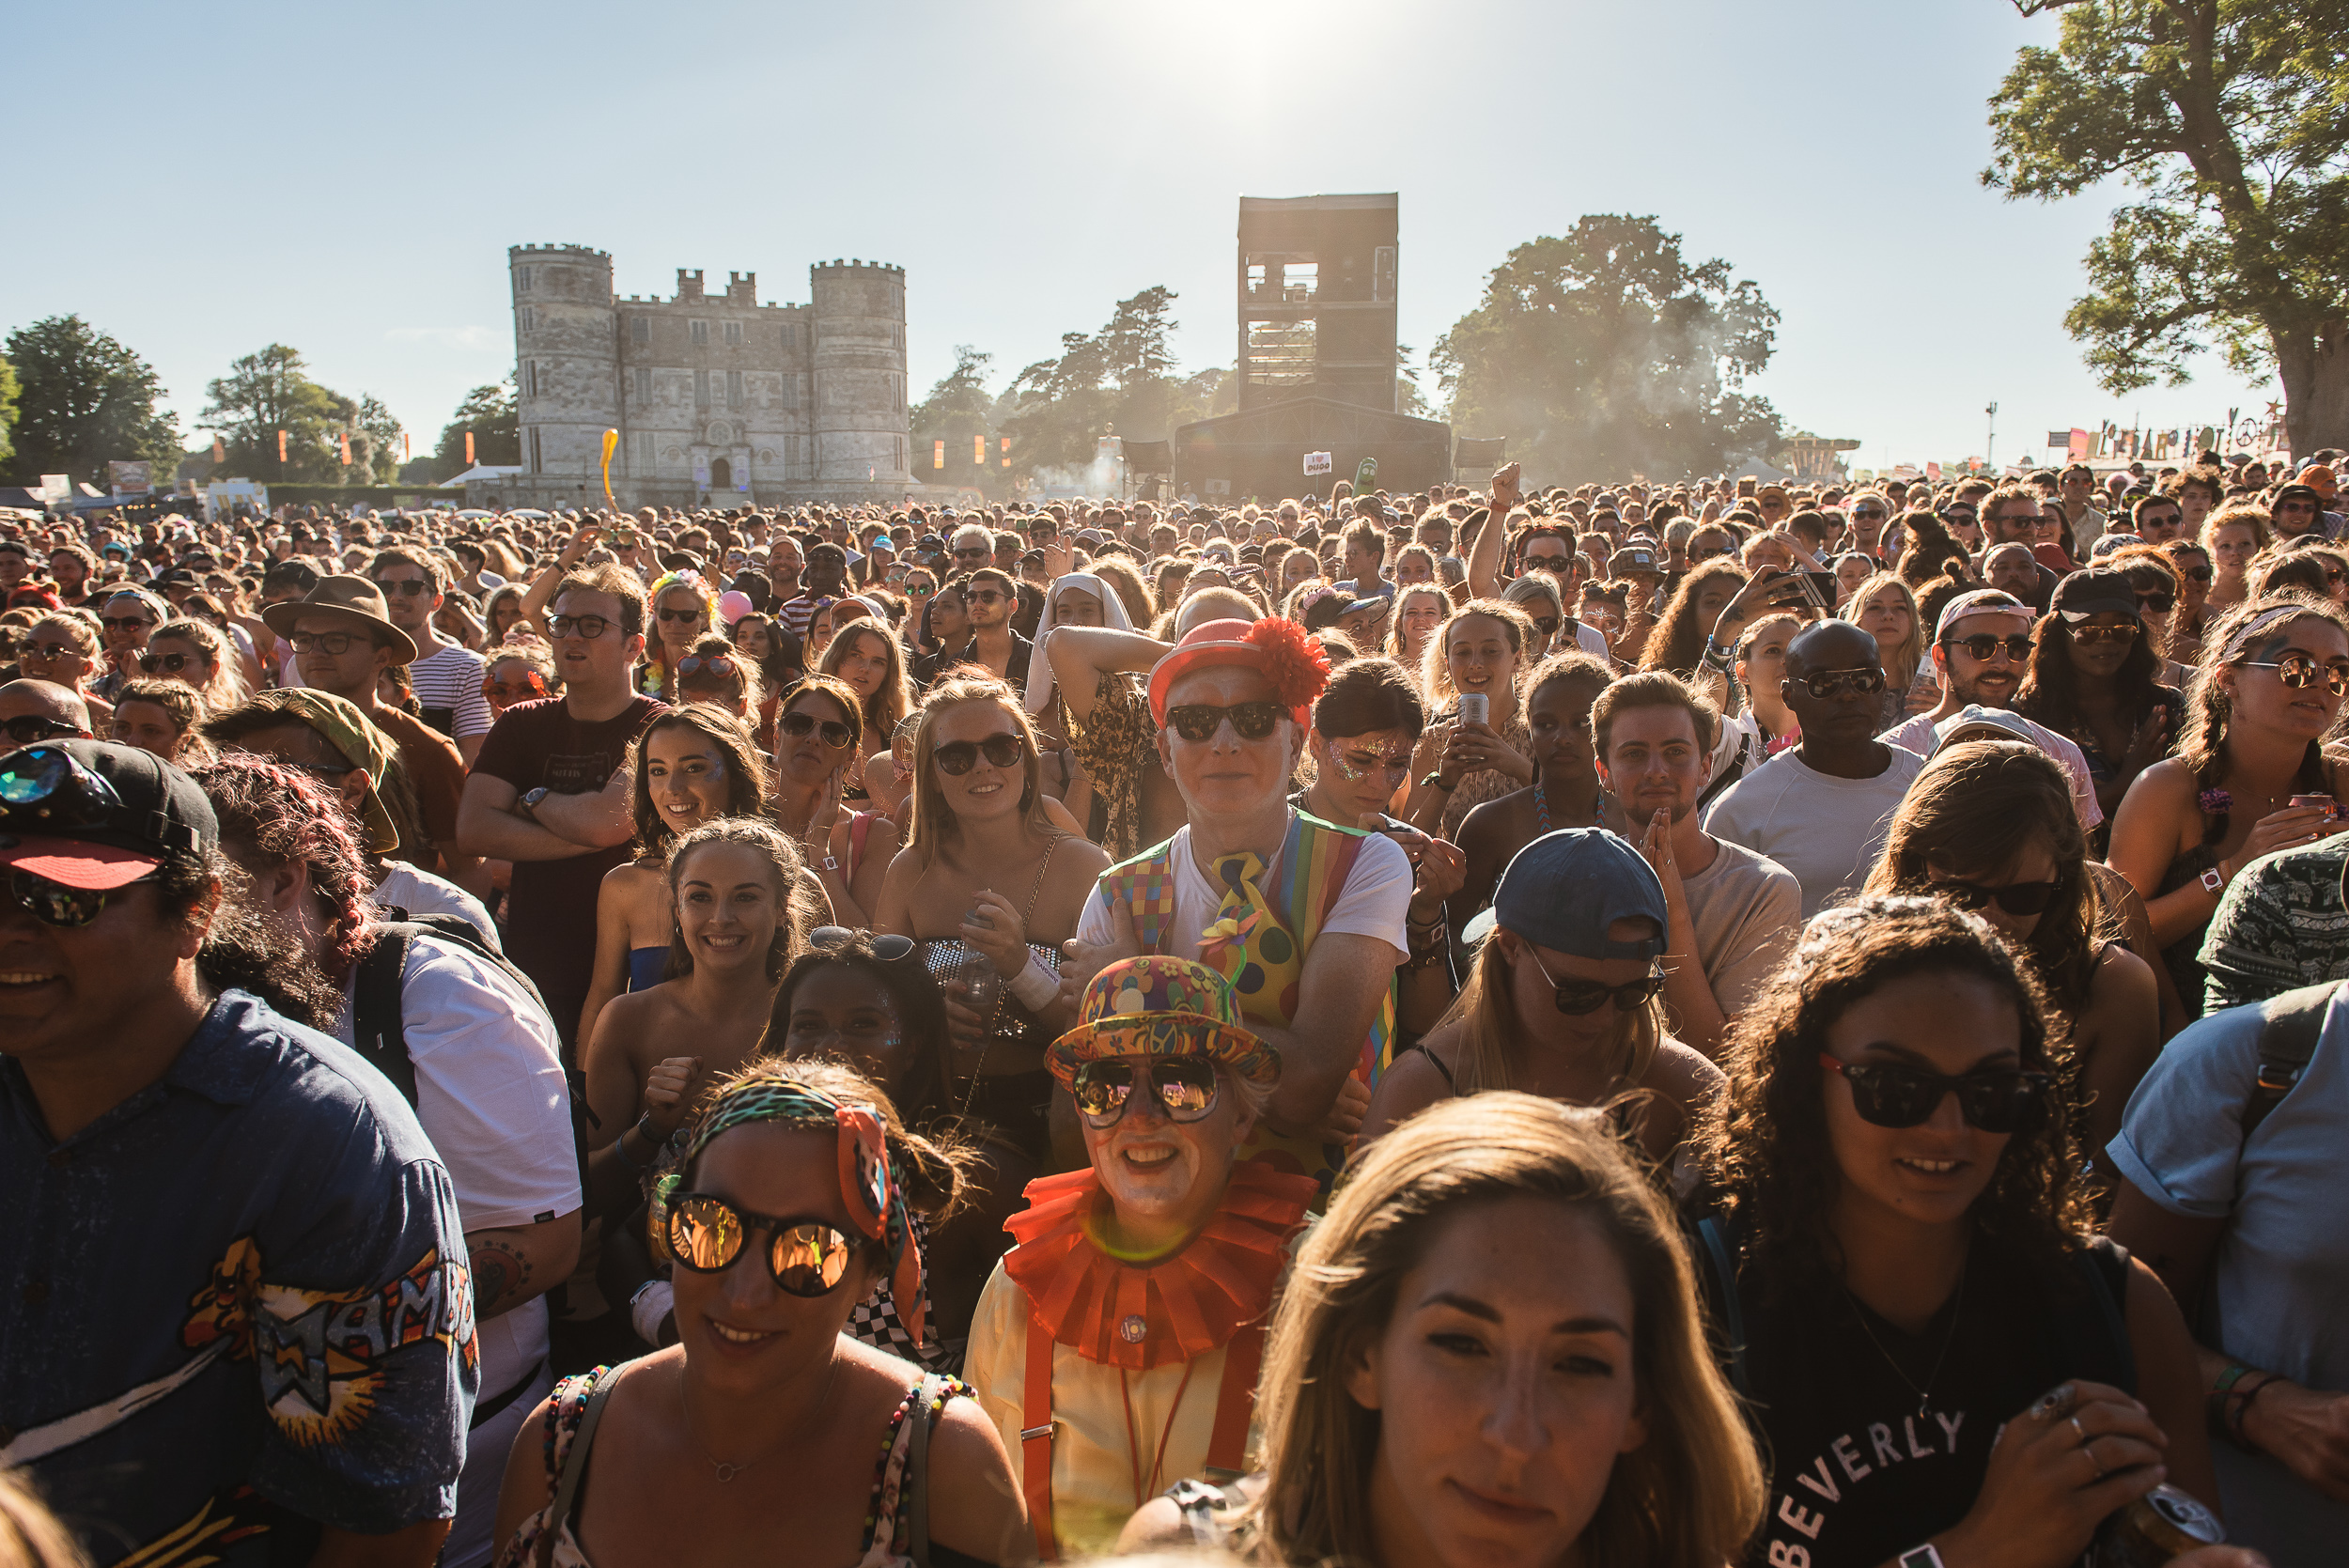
<point x="819" y="731"/>
<point x="64" y="650"/>
<point x="1943" y="1361"/>
<point x="692" y="764"/>
<point x="1491" y="1351"/>
<point x="1989" y="826"/>
<point x="866" y="658"/>
<point x="162" y="716"/>
<point x="2248" y="775"/>
<point x="196" y="654"/>
<point x="1677" y="643"/>
<point x="982" y="836"/>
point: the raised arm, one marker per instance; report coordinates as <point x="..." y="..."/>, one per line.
<point x="1483" y="562"/>
<point x="1081" y="655"/>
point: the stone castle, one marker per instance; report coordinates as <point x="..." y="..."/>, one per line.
<point x="720" y="400"/>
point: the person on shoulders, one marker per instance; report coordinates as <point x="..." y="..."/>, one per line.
<point x="1821" y="807"/>
<point x="183" y="1385"/>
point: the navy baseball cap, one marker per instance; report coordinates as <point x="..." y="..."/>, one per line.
<point x="1563" y="890"/>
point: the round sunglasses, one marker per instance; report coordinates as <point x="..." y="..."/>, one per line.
<point x="170" y="662"/>
<point x="2300" y="672"/>
<point x="1826" y="684"/>
<point x="806" y="1257"/>
<point x="1185" y="1085"/>
<point x="1894" y="1094"/>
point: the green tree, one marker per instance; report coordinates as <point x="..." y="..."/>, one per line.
<point x="489" y="412"/>
<point x="1605" y="353"/>
<point x="957" y="409"/>
<point x="382" y="430"/>
<point x="1119" y="379"/>
<point x="84" y="400"/>
<point x="2225" y="115"/>
<point x="271" y="391"/>
<point x="8" y="393"/>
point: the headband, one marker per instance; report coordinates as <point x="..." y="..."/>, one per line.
<point x="2257" y="624"/>
<point x="876" y="1198"/>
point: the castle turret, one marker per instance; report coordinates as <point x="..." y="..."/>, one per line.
<point x="565" y="356"/>
<point x="858" y="362"/>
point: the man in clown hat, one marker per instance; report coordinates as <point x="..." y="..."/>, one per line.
<point x="1305" y="919"/>
<point x="1116" y="1347"/>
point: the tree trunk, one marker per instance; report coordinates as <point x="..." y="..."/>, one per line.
<point x="2314" y="367"/>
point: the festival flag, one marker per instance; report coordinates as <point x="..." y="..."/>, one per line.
<point x="220" y="450"/>
<point x="344" y="440"/>
<point x="2081" y="442"/>
<point x="469" y="449"/>
<point x="281" y="446"/>
<point x="938" y="454"/>
<point x="1933" y="471"/>
<point x="407" y="446"/>
<point x="1007" y="451"/>
<point x="978" y="451"/>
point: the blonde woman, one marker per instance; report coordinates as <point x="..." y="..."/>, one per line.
<point x="64" y="649"/>
<point x="1500" y="1270"/>
<point x="1461" y="764"/>
<point x="989" y="885"/>
<point x="871" y="662"/>
<point x="1562" y="998"/>
<point x="196" y="655"/>
<point x="2235" y="536"/>
<point x="1418" y="612"/>
<point x="1884" y="608"/>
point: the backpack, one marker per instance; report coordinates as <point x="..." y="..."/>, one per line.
<point x="2290" y="1024"/>
<point x="380" y="1033"/>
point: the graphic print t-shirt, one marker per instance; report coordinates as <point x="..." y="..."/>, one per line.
<point x="551" y="919"/>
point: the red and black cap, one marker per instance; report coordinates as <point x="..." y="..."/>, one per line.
<point x="96" y="815"/>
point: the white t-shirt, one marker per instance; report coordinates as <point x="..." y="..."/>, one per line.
<point x="1917" y="735"/>
<point x="491" y="1096"/>
<point x="1826" y="830"/>
<point x="1376" y="897"/>
<point x="421" y="892"/>
<point x="449" y="679"/>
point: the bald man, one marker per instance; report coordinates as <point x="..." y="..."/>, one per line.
<point x="34" y="710"/>
<point x="1822" y="808"/>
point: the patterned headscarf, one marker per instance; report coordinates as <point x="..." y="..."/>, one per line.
<point x="869" y="1183"/>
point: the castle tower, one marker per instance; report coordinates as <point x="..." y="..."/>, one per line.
<point x="859" y="362"/>
<point x="566" y="357"/>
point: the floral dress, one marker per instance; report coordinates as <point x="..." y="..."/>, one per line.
<point x="1114" y="747"/>
<point x="1485" y="783"/>
<point x="887" y="1526"/>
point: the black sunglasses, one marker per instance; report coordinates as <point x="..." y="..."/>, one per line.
<point x="55" y="904"/>
<point x="985" y="596"/>
<point x="693" y="615"/>
<point x="959" y="757"/>
<point x="2015" y="898"/>
<point x="2200" y="574"/>
<point x="806" y="1257"/>
<point x="1186" y="1088"/>
<point x="800" y="725"/>
<point x="173" y="662"/>
<point x="1579" y="998"/>
<point x="124" y="623"/>
<point x="1834" y="683"/>
<point x="1200" y="721"/>
<point x="27" y="728"/>
<point x="1547" y="624"/>
<point x="1982" y="645"/>
<point x="2160" y="604"/>
<point x="1894" y="1094"/>
<point x="410" y="589"/>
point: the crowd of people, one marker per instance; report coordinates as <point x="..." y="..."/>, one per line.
<point x="1672" y="1025"/>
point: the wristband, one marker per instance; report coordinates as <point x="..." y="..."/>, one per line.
<point x="648" y="1307"/>
<point x="2212" y="881"/>
<point x="1435" y="781"/>
<point x="619" y="1145"/>
<point x="1035" y="988"/>
<point x="1926" y="1556"/>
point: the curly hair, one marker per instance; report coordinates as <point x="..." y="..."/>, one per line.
<point x="1678" y="643"/>
<point x="276" y="815"/>
<point x="746" y="773"/>
<point x="241" y="948"/>
<point x="181" y="702"/>
<point x="1765" y="1138"/>
<point x="2203" y="738"/>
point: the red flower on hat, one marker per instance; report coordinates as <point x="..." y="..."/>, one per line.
<point x="1294" y="662"/>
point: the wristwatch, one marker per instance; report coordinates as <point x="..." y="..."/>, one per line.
<point x="2212" y="881"/>
<point x="529" y="802"/>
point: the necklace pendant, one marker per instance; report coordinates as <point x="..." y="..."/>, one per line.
<point x="726" y="1472"/>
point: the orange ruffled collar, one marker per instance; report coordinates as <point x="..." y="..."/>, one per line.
<point x="1176" y="1307"/>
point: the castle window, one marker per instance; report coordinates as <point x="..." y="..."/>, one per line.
<point x="700" y="331"/>
<point x="701" y="389"/>
<point x="644" y="384"/>
<point x="734" y="387"/>
<point x="791" y="335"/>
<point x="733" y="334"/>
<point x="538" y="462"/>
<point x="644" y="452"/>
<point x="522" y="280"/>
<point x="534" y="378"/>
<point x="640" y="329"/>
<point x="529" y="319"/>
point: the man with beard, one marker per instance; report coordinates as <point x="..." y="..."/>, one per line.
<point x="1821" y="807"/>
<point x="990" y="596"/>
<point x="1979" y="653"/>
<point x="1733" y="914"/>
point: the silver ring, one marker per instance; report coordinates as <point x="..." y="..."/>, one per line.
<point x="2080" y="1432"/>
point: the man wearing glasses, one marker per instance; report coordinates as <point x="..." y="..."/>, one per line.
<point x="446" y="674"/>
<point x="2298" y="509"/>
<point x="991" y="597"/>
<point x="550" y="795"/>
<point x="2157" y="520"/>
<point x="1979" y="655"/>
<point x="1305" y="919"/>
<point x="1821" y="807"/>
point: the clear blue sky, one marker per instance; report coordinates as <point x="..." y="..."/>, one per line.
<point x="347" y="179"/>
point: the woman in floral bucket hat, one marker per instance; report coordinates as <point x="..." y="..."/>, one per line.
<point x="1117" y="1345"/>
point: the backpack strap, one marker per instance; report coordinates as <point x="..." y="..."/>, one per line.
<point x="2290" y="1026"/>
<point x="575" y="1465"/>
<point x="1724" y="1271"/>
<point x="2095" y="1341"/>
<point x="916" y="1491"/>
<point x="376" y="1028"/>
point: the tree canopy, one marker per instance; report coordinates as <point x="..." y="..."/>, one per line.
<point x="1121" y="379"/>
<point x="1605" y="352"/>
<point x="2225" y="116"/>
<point x="489" y="412"/>
<point x="83" y="400"/>
<point x="8" y="394"/>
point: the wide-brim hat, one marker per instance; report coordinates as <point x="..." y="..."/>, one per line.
<point x="1161" y="1006"/>
<point x="352" y="600"/>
